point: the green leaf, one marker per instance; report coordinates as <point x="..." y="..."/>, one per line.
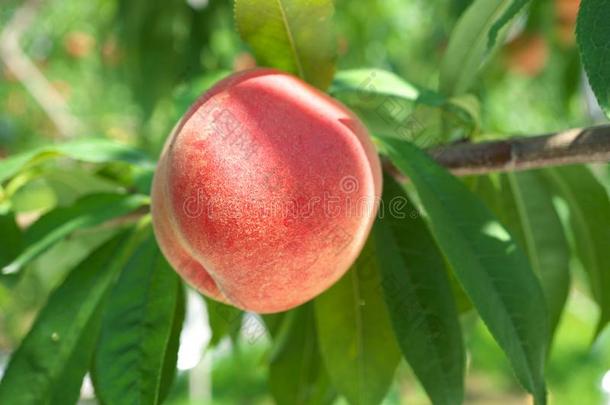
<point x="419" y="297"/>
<point x="514" y="8"/>
<point x="224" y="320"/>
<point x="392" y="107"/>
<point x="531" y="216"/>
<point x="296" y="36"/>
<point x="589" y="216"/>
<point x="47" y="187"/>
<point x="168" y="371"/>
<point x="136" y="345"/>
<point x="367" y="83"/>
<point x="355" y="334"/>
<point x="91" y="151"/>
<point x="275" y="322"/>
<point x="296" y="373"/>
<point x="72" y="183"/>
<point x="147" y="35"/>
<point x="52" y="266"/>
<point x="27" y="194"/>
<point x="472" y="41"/>
<point x="12" y="239"/>
<point x="384" y="101"/>
<point x="493" y="270"/>
<point x="76" y="366"/>
<point x="279" y="327"/>
<point x="593" y="36"/>
<point x="86" y="212"/>
<point x="52" y="359"/>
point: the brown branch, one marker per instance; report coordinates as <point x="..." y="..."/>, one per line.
<point x="590" y="145"/>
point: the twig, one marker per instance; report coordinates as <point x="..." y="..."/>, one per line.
<point x="590" y="145"/>
<point x="28" y="74"/>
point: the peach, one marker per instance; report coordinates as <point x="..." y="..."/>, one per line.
<point x="265" y="192"/>
<point x="79" y="44"/>
<point x="528" y="55"/>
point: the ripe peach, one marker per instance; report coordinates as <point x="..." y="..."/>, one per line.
<point x="566" y="16"/>
<point x="265" y="191"/>
<point x="79" y="44"/>
<point x="527" y="55"/>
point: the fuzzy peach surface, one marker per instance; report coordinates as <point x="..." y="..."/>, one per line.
<point x="265" y="192"/>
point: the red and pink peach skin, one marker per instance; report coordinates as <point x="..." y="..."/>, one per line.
<point x="265" y="192"/>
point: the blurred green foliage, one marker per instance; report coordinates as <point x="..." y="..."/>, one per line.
<point x="118" y="63"/>
<point x="129" y="68"/>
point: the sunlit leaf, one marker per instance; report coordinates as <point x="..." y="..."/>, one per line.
<point x="91" y="151"/>
<point x="589" y="215"/>
<point x="390" y="106"/>
<point x="524" y="203"/>
<point x="89" y="211"/>
<point x="368" y="83"/>
<point x="47" y="187"/>
<point x="493" y="270"/>
<point x="472" y="41"/>
<point x="296" y="36"/>
<point x="513" y="9"/>
<point x="384" y="101"/>
<point x="531" y="217"/>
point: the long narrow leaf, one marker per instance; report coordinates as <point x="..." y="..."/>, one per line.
<point x="135" y="341"/>
<point x="224" y="320"/>
<point x="91" y="151"/>
<point x="419" y="297"/>
<point x="529" y="209"/>
<point x="512" y="10"/>
<point x="86" y="212"/>
<point x="355" y="333"/>
<point x="58" y="348"/>
<point x="472" y="41"/>
<point x="296" y="374"/>
<point x="589" y="215"/>
<point x="493" y="270"/>
<point x="593" y="36"/>
<point x="391" y="106"/>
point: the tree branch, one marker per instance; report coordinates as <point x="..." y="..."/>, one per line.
<point x="589" y="145"/>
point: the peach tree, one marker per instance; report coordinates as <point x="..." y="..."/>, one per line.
<point x="455" y="221"/>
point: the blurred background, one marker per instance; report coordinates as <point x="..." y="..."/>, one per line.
<point x="128" y="69"/>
